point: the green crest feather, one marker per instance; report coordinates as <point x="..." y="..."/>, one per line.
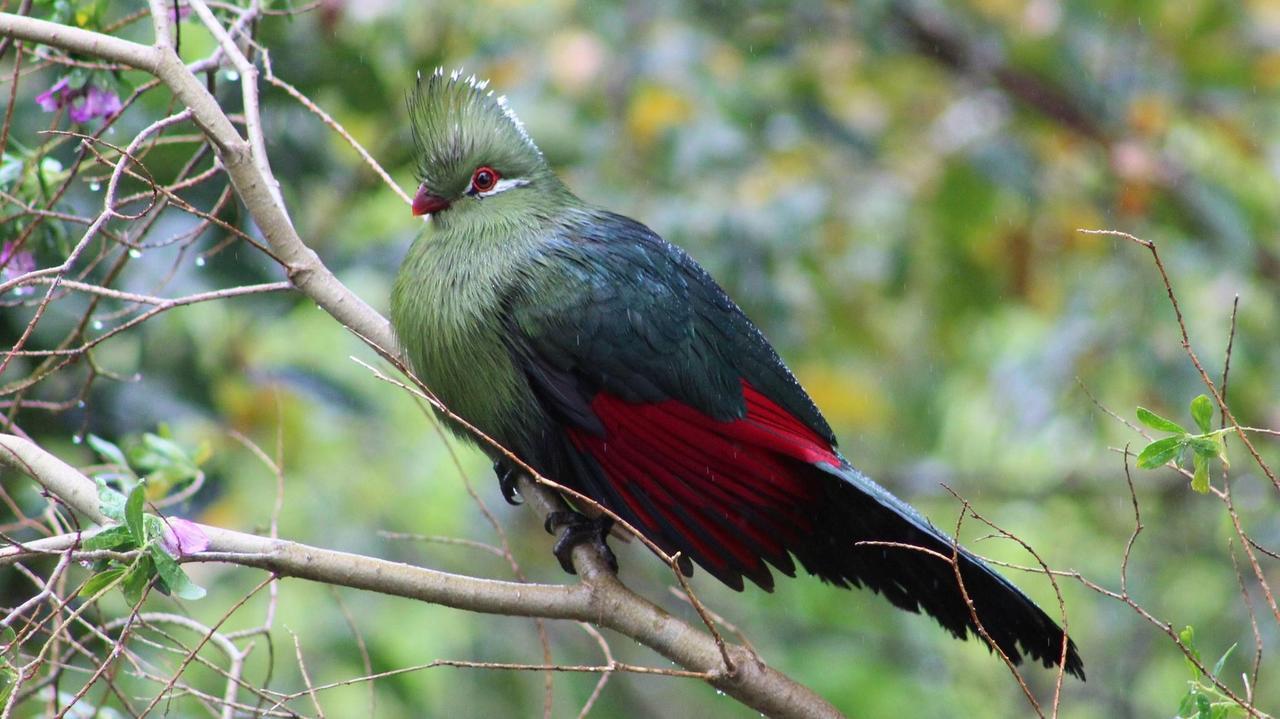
<point x="459" y="125"/>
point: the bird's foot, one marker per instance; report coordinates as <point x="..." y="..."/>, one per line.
<point x="579" y="529"/>
<point x="508" y="476"/>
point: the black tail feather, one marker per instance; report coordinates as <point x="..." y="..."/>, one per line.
<point x="922" y="581"/>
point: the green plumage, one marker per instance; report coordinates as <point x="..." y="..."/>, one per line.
<point x="537" y="272"/>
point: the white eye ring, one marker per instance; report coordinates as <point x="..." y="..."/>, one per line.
<point x="506" y="183"/>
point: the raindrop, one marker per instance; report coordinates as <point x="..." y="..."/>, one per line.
<point x="135" y="253"/>
<point x="95" y="186"/>
<point x="200" y="260"/>
<point x="231" y="75"/>
<point x="77" y="438"/>
<point x="80" y="404"/>
<point x="97" y="324"/>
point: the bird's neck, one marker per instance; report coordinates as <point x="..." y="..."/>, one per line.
<point x="446" y="307"/>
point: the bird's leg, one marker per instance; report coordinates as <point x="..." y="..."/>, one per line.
<point x="579" y="529"/>
<point x="507" y="478"/>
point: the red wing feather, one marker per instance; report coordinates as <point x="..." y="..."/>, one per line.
<point x="729" y="494"/>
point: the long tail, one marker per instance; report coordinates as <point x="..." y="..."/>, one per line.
<point x="741" y="496"/>
<point x="859" y="509"/>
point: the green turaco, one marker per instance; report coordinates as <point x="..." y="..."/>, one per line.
<point x="612" y="363"/>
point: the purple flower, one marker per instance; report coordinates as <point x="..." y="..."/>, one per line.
<point x="86" y="102"/>
<point x="96" y="102"/>
<point x="15" y="263"/>
<point x="55" y="97"/>
<point x="182" y="537"/>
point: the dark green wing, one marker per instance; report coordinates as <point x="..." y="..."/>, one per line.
<point x="618" y="309"/>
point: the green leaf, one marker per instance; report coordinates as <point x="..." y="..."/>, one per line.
<point x="136" y="581"/>
<point x="1187" y="705"/>
<point x="1159" y="452"/>
<point x="172" y="575"/>
<point x="8" y="679"/>
<point x="167" y="450"/>
<point x="1204" y="707"/>
<point x="1207" y="447"/>
<point x="133" y="513"/>
<point x="1200" y="480"/>
<point x="153" y="524"/>
<point x="1155" y="421"/>
<point x="114" y="537"/>
<point x="108" y="451"/>
<point x="1202" y="412"/>
<point x="1217" y="667"/>
<point x="96" y="583"/>
<point x="1188" y="638"/>
<point x="110" y="502"/>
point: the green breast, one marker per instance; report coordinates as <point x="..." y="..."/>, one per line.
<point x="446" y="310"/>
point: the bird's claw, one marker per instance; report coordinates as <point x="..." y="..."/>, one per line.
<point x="580" y="529"/>
<point x="507" y="479"/>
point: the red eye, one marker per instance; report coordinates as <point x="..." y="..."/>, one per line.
<point x="484" y="179"/>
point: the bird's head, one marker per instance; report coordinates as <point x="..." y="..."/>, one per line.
<point x="474" y="155"/>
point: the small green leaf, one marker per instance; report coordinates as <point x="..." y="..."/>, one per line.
<point x="1207" y="447"/>
<point x="1188" y="637"/>
<point x="136" y="581"/>
<point x="1187" y="705"/>
<point x="1155" y="421"/>
<point x="100" y="580"/>
<point x="110" y="502"/>
<point x="133" y="513"/>
<point x="8" y="679"/>
<point x="170" y="452"/>
<point x="114" y="537"/>
<point x="1202" y="412"/>
<point x="172" y="575"/>
<point x="154" y="525"/>
<point x="1217" y="667"/>
<point x="108" y="451"/>
<point x="1159" y="452"/>
<point x="1200" y="480"/>
<point x="1204" y="707"/>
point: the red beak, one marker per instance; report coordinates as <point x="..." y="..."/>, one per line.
<point x="425" y="203"/>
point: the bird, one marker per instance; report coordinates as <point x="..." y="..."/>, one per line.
<point x="608" y="360"/>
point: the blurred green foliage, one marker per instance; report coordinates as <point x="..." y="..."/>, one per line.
<point x="892" y="191"/>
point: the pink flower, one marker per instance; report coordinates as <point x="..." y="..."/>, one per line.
<point x="182" y="537"/>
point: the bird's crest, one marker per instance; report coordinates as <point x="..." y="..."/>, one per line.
<point x="459" y="123"/>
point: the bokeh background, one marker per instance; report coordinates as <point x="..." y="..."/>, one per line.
<point x="892" y="191"/>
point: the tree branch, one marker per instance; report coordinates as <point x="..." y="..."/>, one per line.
<point x="600" y="598"/>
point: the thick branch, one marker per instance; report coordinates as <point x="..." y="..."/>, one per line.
<point x="600" y="599"/>
<point x="66" y="37"/>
